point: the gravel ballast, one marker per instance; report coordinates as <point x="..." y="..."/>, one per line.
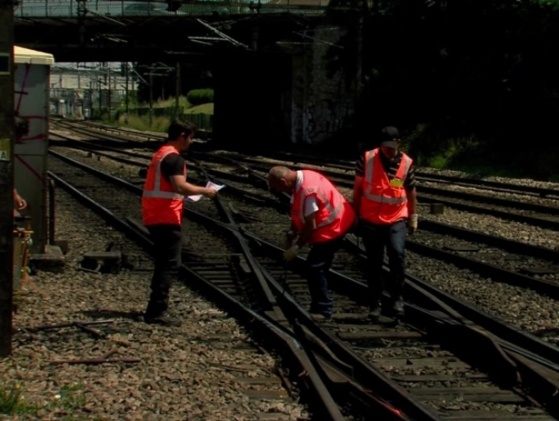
<point x="199" y="371"/>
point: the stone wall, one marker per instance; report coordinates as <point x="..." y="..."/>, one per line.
<point x="322" y="100"/>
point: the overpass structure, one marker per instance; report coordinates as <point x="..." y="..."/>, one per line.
<point x="283" y="70"/>
<point x="119" y="30"/>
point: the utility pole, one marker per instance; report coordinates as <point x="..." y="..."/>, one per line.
<point x="109" y="91"/>
<point x="154" y="69"/>
<point x="150" y="99"/>
<point x="7" y="141"/>
<point x="177" y="88"/>
<point x="126" y="70"/>
<point x="100" y="95"/>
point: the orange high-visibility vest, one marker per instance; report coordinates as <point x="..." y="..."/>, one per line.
<point x="335" y="214"/>
<point x="160" y="203"/>
<point x="383" y="201"/>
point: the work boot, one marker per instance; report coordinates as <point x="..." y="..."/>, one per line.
<point x="164" y="320"/>
<point x="320" y="317"/>
<point x="374" y="312"/>
<point x="398" y="307"/>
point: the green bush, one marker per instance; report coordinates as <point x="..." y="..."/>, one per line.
<point x="200" y="96"/>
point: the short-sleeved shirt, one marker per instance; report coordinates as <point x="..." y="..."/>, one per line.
<point x="391" y="167"/>
<point x="311" y="204"/>
<point x="172" y="164"/>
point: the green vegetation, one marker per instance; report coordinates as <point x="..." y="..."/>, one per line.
<point x="12" y="401"/>
<point x="201" y="109"/>
<point x="446" y="81"/>
<point x="163" y="112"/>
<point x="200" y="96"/>
<point x="485" y="159"/>
<point x="134" y="121"/>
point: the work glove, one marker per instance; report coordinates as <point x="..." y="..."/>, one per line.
<point x="291" y="253"/>
<point x="288" y="238"/>
<point x="412" y="223"/>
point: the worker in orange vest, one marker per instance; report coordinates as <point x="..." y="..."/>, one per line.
<point x="385" y="201"/>
<point x="320" y="217"/>
<point x="163" y="195"/>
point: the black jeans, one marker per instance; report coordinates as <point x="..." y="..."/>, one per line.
<point x="319" y="261"/>
<point x="377" y="238"/>
<point x="167" y="242"/>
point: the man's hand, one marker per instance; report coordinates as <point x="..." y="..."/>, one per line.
<point x="288" y="238"/>
<point x="291" y="253"/>
<point x="210" y="192"/>
<point x="19" y="201"/>
<point x="412" y="223"/>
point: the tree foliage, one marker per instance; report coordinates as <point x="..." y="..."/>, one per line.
<point x="448" y="69"/>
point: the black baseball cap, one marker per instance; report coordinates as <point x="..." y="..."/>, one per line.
<point x="390" y="137"/>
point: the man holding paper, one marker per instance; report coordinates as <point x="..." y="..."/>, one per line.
<point x="163" y="195"/>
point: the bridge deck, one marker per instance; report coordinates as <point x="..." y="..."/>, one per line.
<point x="153" y="8"/>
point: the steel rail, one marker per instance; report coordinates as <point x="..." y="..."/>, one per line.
<point x="466" y="332"/>
<point x="328" y="409"/>
<point x="137" y="232"/>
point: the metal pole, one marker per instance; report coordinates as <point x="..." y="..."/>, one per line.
<point x="109" y="91"/>
<point x="52" y="212"/>
<point x="100" y="96"/>
<point x="177" y="88"/>
<point x="7" y="140"/>
<point x="150" y="99"/>
<point x="126" y="73"/>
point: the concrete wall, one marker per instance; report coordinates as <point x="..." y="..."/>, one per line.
<point x="297" y="96"/>
<point x="323" y="97"/>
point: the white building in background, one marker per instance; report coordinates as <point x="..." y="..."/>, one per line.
<point x="86" y="92"/>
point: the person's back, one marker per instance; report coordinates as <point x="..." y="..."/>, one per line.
<point x="334" y="214"/>
<point x="320" y="217"/>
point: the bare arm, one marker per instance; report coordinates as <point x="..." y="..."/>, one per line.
<point x="19" y="201"/>
<point x="308" y="229"/>
<point x="181" y="186"/>
<point x="357" y="194"/>
<point x="412" y="200"/>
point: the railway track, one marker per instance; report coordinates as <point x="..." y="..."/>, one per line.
<point x="530" y="266"/>
<point x="433" y="343"/>
<point x="532" y="210"/>
<point x="340" y="164"/>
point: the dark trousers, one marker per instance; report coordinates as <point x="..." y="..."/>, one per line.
<point x="167" y="242"/>
<point x="319" y="261"/>
<point x="377" y="238"/>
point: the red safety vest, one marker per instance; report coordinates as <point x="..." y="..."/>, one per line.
<point x="383" y="201"/>
<point x="335" y="214"/>
<point x="160" y="203"/>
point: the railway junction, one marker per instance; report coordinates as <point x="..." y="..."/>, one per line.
<point x="479" y="339"/>
<point x="468" y="349"/>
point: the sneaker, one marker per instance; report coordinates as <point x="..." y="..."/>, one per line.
<point x="374" y="311"/>
<point x="163" y="320"/>
<point x="398" y="308"/>
<point x="374" y="314"/>
<point x="320" y="317"/>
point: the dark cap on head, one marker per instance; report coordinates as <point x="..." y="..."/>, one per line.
<point x="390" y="137"/>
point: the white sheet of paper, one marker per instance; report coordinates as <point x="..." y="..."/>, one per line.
<point x="196" y="197"/>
